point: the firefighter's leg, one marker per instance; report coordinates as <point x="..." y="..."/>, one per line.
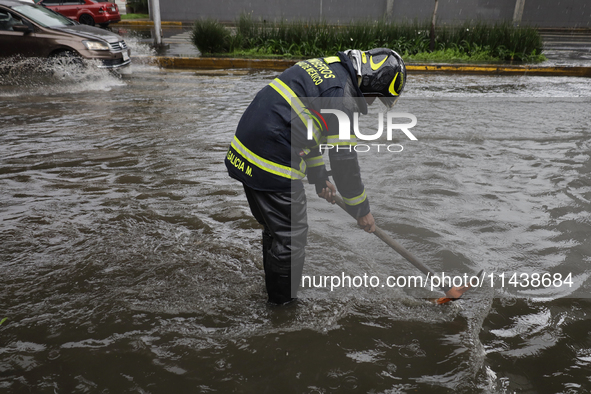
<point x="299" y="238"/>
<point x="283" y="215"/>
<point x="267" y="236"/>
<point x="267" y="243"/>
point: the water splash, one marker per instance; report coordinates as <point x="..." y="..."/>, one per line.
<point x="38" y="76"/>
<point x="138" y="47"/>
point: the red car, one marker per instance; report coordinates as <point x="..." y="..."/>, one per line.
<point x="87" y="12"/>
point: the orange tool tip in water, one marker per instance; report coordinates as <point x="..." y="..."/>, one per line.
<point x="455" y="292"/>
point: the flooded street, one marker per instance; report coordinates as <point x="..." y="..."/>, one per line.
<point x="130" y="262"/>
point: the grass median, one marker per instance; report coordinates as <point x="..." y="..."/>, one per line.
<point x="479" y="42"/>
<point x="129" y="17"/>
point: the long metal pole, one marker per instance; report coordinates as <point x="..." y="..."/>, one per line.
<point x="394" y="245"/>
<point x="157" y="22"/>
<point x="518" y="14"/>
<point x="389" y="8"/>
<point x="432" y="43"/>
<point x="452" y="293"/>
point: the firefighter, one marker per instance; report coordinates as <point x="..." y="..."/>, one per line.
<point x="271" y="152"/>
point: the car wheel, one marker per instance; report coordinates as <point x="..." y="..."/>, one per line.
<point x="104" y="24"/>
<point x="86" y="19"/>
<point x="66" y="64"/>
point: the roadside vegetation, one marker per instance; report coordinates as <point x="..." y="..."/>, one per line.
<point x="134" y="16"/>
<point x="467" y="43"/>
<point x="136" y="6"/>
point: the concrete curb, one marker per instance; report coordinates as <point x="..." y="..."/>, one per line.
<point x="282" y="64"/>
<point x="492" y="69"/>
<point x="220" y="63"/>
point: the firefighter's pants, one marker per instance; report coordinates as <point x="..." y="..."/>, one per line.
<point x="283" y="216"/>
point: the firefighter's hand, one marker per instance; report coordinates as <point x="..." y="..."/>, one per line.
<point x="367" y="223"/>
<point x="328" y="192"/>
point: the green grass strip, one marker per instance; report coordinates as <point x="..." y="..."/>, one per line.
<point x="477" y="42"/>
<point x="134" y="16"/>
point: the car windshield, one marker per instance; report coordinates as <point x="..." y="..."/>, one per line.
<point x="42" y="16"/>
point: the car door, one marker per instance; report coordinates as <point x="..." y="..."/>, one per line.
<point x="70" y="8"/>
<point x="6" y="34"/>
<point x="13" y="43"/>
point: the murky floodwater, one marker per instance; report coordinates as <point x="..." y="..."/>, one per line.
<point x="129" y="261"/>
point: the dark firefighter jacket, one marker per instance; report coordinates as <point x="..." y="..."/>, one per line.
<point x="271" y="150"/>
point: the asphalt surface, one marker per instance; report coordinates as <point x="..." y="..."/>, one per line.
<point x="176" y="39"/>
<point x="568" y="48"/>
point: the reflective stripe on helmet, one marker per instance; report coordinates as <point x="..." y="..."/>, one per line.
<point x="392" y="88"/>
<point x="376" y="66"/>
<point x="267" y="165"/>
<point x="356" y="200"/>
<point x="295" y="103"/>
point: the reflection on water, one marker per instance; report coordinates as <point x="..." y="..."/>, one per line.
<point x="130" y="261"/>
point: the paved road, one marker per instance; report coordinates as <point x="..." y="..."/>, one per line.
<point x="567" y="48"/>
<point x="180" y="43"/>
<point x="177" y="38"/>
